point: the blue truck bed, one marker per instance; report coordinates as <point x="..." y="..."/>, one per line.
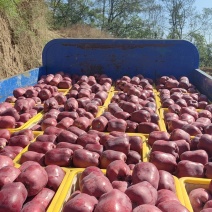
<point x="115" y="57"/>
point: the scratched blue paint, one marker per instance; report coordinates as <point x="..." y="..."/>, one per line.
<point x="22" y="80"/>
<point x="118" y="57"/>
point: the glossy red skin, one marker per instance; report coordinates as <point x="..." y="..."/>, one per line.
<point x="73" y="147"/>
<point x="145" y="171"/>
<point x="22" y="106"/>
<point x="120" y="185"/>
<point x="19" y="92"/>
<point x="136" y="143"/>
<point x="117" y="125"/>
<point x="4" y="133"/>
<point x="114" y="200"/>
<point x="65" y="123"/>
<point x="147" y="127"/>
<point x="208" y="205"/>
<point x="82" y="123"/>
<point x="71" y="104"/>
<point x="8" y="153"/>
<point x="34" y="177"/>
<point x="158" y="135"/>
<point x="146" y="208"/>
<point x="27" y="164"/>
<point x="100" y="124"/>
<point x="187" y="168"/>
<point x="32" y="156"/>
<point x="142" y="193"/>
<point x="178" y="134"/>
<point x="19" y="140"/>
<point x="166" y="147"/>
<point x="55" y="176"/>
<point x="27" y="132"/>
<point x="163" y="161"/>
<point x="3" y="142"/>
<point x="81" y="202"/>
<point x="8" y="174"/>
<point x="98" y="148"/>
<point x="73" y="115"/>
<point x="166" y="195"/>
<point x="182" y="146"/>
<point x="48" y="122"/>
<point x="77" y="131"/>
<point x="52" y="131"/>
<point x="35" y="207"/>
<point x="133" y="157"/>
<point x="208" y="170"/>
<point x="47" y="138"/>
<point x="205" y="143"/>
<point x="118" y="170"/>
<point x="108" y="116"/>
<point x="59" y="156"/>
<point x="88" y="170"/>
<point x="15" y="149"/>
<point x="120" y="144"/>
<point x="198" y="197"/>
<point x="11" y="112"/>
<point x="83" y="158"/>
<point x="140" y="116"/>
<point x="5" y="161"/>
<point x="109" y="156"/>
<point x="67" y="136"/>
<point x="7" y="122"/>
<point x="41" y="147"/>
<point x="199" y="156"/>
<point x="85" y="139"/>
<point x="95" y="185"/>
<point x="41" y="200"/>
<point x="12" y="197"/>
<point x="166" y="181"/>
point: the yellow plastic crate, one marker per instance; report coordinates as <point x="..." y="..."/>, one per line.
<point x="18" y="157"/>
<point x="72" y="185"/>
<point x="59" y="190"/>
<point x="144" y="151"/>
<point x="27" y="124"/>
<point x="188" y="184"/>
<point x="162" y="111"/>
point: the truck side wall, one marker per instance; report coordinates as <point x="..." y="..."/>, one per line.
<point x="22" y="80"/>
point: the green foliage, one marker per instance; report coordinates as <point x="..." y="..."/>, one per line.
<point x="9" y="7"/>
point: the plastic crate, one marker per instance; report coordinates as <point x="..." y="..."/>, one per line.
<point x="188" y="184"/>
<point x="17" y="158"/>
<point x="72" y="185"/>
<point x="59" y="191"/>
<point x="161" y="124"/>
<point x="162" y="111"/>
<point x="27" y="124"/>
<point x="143" y="152"/>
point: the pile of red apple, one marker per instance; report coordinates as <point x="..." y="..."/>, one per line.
<point x="30" y="187"/>
<point x="189" y="119"/>
<point x="12" y="144"/>
<point x="143" y="189"/>
<point x="201" y="198"/>
<point x="132" y="109"/>
<point x="180" y="155"/>
<point x="80" y="149"/>
<point x="14" y="116"/>
<point x="181" y="93"/>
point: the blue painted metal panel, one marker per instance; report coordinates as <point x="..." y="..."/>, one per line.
<point x="118" y="57"/>
<point x="22" y="80"/>
<point x="203" y="82"/>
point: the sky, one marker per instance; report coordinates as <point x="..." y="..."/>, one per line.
<point x="200" y="4"/>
